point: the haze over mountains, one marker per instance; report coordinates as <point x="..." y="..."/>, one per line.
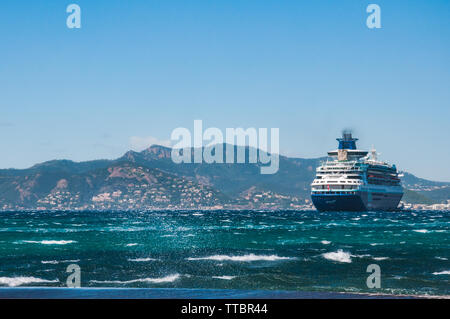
<point x="151" y="180"/>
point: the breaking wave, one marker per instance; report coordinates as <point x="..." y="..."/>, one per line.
<point x="18" y="281"/>
<point x="142" y="259"/>
<point x="245" y="258"/>
<point x="170" y="278"/>
<point x="445" y="272"/>
<point x="54" y="262"/>
<point x="224" y="277"/>
<point x="49" y="242"/>
<point x="380" y="258"/>
<point x="339" y="256"/>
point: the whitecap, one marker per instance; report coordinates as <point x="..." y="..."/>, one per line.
<point x="380" y="258"/>
<point x="441" y="258"/>
<point x="423" y="231"/>
<point x="224" y="277"/>
<point x="131" y="244"/>
<point x="326" y="242"/>
<point x="339" y="256"/>
<point x="57" y="242"/>
<point x="53" y="262"/>
<point x="49" y="242"/>
<point x="142" y="259"/>
<point x="245" y="258"/>
<point x="18" y="281"/>
<point x="332" y="224"/>
<point x="170" y="278"/>
<point x="445" y="272"/>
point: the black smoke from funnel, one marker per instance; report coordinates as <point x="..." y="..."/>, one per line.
<point x="347" y="133"/>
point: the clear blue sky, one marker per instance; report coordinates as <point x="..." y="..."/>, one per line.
<point x="143" y="68"/>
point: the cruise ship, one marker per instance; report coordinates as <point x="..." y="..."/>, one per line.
<point x="354" y="180"/>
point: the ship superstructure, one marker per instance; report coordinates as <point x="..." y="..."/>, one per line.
<point x="355" y="180"/>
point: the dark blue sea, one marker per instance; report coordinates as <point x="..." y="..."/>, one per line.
<point x="283" y="254"/>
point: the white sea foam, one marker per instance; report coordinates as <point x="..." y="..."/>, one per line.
<point x="380" y="258"/>
<point x="445" y="272"/>
<point x="170" y="278"/>
<point x="142" y="259"/>
<point x="18" y="281"/>
<point x="339" y="256"/>
<point x="224" y="277"/>
<point x="49" y="242"/>
<point x="441" y="258"/>
<point x="326" y="242"/>
<point x="132" y="244"/>
<point x="423" y="231"/>
<point x="245" y="258"/>
<point x="54" y="262"/>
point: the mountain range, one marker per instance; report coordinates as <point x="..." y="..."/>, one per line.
<point x="151" y="180"/>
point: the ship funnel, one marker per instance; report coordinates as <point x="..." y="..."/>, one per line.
<point x="347" y="142"/>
